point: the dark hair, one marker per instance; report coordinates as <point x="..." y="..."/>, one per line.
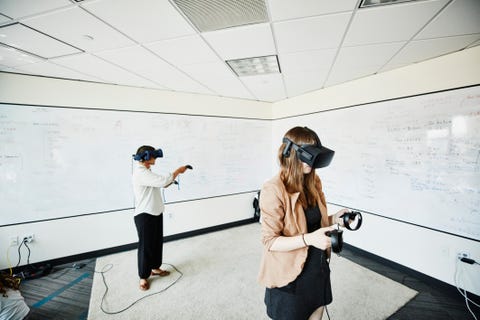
<point x="8" y="281"/>
<point x="143" y="149"/>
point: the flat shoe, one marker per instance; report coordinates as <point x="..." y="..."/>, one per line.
<point x="162" y="273"/>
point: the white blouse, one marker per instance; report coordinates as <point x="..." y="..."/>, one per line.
<point x="146" y="187"/>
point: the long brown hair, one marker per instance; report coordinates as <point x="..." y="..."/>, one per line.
<point x="291" y="168"/>
<point x="8" y="281"/>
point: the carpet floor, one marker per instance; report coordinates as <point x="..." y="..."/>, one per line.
<point x="214" y="276"/>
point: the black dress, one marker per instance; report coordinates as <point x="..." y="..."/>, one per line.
<point x="310" y="290"/>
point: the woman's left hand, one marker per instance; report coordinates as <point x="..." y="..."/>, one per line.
<point x="338" y="216"/>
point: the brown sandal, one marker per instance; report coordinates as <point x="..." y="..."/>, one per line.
<point x="144" y="286"/>
<point x="162" y="273"/>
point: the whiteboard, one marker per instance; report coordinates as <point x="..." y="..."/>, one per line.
<point x="414" y="159"/>
<point x="60" y="162"/>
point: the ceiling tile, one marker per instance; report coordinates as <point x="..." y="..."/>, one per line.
<point x="305" y="81"/>
<point x="178" y="81"/>
<point x="151" y="43"/>
<point x="11" y="57"/>
<point x="267" y="87"/>
<point x="84" y="31"/>
<point x="133" y="58"/>
<point x="288" y="9"/>
<point x="242" y="42"/>
<point x="420" y="50"/>
<point x="390" y="23"/>
<point x="356" y="62"/>
<point x="342" y="75"/>
<point x="148" y="65"/>
<point x="218" y="77"/>
<point x="142" y="20"/>
<point x="474" y="44"/>
<point x="465" y="13"/>
<point x="24" y="38"/>
<point x="179" y="51"/>
<point x="96" y="67"/>
<point x="48" y="69"/>
<point x="323" y="32"/>
<point x="305" y="71"/>
<point x="21" y="8"/>
<point x="4" y="19"/>
<point x="306" y="60"/>
<point x="8" y="69"/>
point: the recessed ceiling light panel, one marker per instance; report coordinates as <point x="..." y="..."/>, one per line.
<point x="255" y="66"/>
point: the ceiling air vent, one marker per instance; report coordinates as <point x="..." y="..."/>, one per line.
<point x="210" y="15"/>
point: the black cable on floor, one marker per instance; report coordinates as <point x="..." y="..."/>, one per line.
<point x="325" y="289"/>
<point x="110" y="266"/>
<point x="326" y="310"/>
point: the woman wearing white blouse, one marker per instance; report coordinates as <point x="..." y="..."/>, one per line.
<point x="149" y="207"/>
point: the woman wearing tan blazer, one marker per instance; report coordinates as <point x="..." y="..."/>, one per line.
<point x="294" y="267"/>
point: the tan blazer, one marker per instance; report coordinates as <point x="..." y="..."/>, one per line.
<point x="282" y="215"/>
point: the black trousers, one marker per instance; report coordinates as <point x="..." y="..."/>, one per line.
<point x="150" y="243"/>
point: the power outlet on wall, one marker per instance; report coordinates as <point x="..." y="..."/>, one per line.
<point x="463" y="254"/>
<point x="29" y="238"/>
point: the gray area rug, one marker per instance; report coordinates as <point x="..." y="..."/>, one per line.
<point x="219" y="282"/>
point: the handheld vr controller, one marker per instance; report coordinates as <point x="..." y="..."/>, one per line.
<point x="188" y="167"/>
<point x="336" y="236"/>
<point x="355" y="216"/>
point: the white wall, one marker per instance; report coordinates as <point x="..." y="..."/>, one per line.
<point x="22" y="89"/>
<point x="65" y="237"/>
<point x="426" y="251"/>
<point x="71" y="236"/>
<point x="429" y="252"/>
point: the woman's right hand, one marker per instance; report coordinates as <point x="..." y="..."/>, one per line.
<point x="318" y="239"/>
<point x="179" y="170"/>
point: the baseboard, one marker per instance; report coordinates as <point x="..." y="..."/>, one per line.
<point x="208" y="230"/>
<point x="131" y="246"/>
<point x="438" y="284"/>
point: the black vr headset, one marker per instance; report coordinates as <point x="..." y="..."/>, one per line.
<point x="315" y="155"/>
<point x="147" y="155"/>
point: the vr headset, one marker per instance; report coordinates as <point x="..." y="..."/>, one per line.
<point x="315" y="155"/>
<point x="147" y="155"/>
